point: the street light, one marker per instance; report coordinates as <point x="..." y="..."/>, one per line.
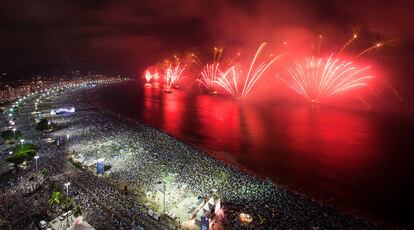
<point x="67" y="188"/>
<point x="36" y="157"/>
<point x="22" y="141"/>
<point x="48" y="125"/>
<point x="67" y="192"/>
<point x="164" y="191"/>
<point x="14" y="133"/>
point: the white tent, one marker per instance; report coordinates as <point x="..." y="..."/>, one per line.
<point x="80" y="224"/>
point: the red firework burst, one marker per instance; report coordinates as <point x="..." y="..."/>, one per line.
<point x="319" y="78"/>
<point x="172" y="77"/>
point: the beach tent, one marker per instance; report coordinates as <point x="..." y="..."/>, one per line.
<point x="80" y="224"/>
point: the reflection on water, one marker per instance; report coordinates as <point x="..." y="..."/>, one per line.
<point x="359" y="161"/>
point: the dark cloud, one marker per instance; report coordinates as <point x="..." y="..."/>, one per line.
<point x="126" y="35"/>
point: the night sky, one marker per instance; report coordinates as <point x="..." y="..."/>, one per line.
<point x="126" y="36"/>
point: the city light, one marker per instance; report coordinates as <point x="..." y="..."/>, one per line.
<point x="36" y="157"/>
<point x="67" y="184"/>
<point x="206" y="115"/>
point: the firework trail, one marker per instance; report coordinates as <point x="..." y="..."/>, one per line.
<point x="209" y="77"/>
<point x="229" y="80"/>
<point x="148" y="76"/>
<point x="319" y="78"/>
<point x="210" y="72"/>
<point x="376" y="46"/>
<point x="251" y="79"/>
<point x="216" y="57"/>
<point x="319" y="44"/>
<point x="396" y="93"/>
<point x="364" y="102"/>
<point x="172" y="77"/>
<point x="354" y="37"/>
<point x="197" y="61"/>
<point x="231" y="61"/>
<point x="217" y="54"/>
<point x="230" y="86"/>
<point x="156" y="76"/>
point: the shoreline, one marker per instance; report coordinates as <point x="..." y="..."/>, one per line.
<point x="346" y="210"/>
<point x="281" y="189"/>
<point x="141" y="155"/>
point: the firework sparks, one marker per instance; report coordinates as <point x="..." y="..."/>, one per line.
<point x="320" y="78"/>
<point x="155" y="76"/>
<point x="231" y="61"/>
<point x="354" y="37"/>
<point x="319" y="44"/>
<point x="209" y="77"/>
<point x="217" y="54"/>
<point x="148" y="76"/>
<point x="229" y="80"/>
<point x="172" y="77"/>
<point x="197" y="61"/>
<point x="251" y="79"/>
<point x="364" y="102"/>
<point x="375" y="46"/>
<point x="151" y="78"/>
<point x="396" y="93"/>
<point x="210" y="72"/>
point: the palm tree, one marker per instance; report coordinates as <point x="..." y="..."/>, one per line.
<point x="55" y="198"/>
<point x="45" y="172"/>
<point x="67" y="203"/>
<point x="78" y="211"/>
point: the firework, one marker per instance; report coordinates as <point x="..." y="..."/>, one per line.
<point x="317" y="78"/>
<point x="155" y="76"/>
<point x="229" y="80"/>
<point x="319" y="43"/>
<point x="354" y="37"/>
<point x="364" y="102"/>
<point x="209" y="77"/>
<point x="232" y="60"/>
<point x="209" y="73"/>
<point x="172" y="77"/>
<point x="148" y="77"/>
<point x="151" y="77"/>
<point x="217" y="54"/>
<point x="375" y="46"/>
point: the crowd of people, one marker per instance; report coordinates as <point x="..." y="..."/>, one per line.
<point x="142" y="156"/>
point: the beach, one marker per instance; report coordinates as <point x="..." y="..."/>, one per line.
<point x="141" y="156"/>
